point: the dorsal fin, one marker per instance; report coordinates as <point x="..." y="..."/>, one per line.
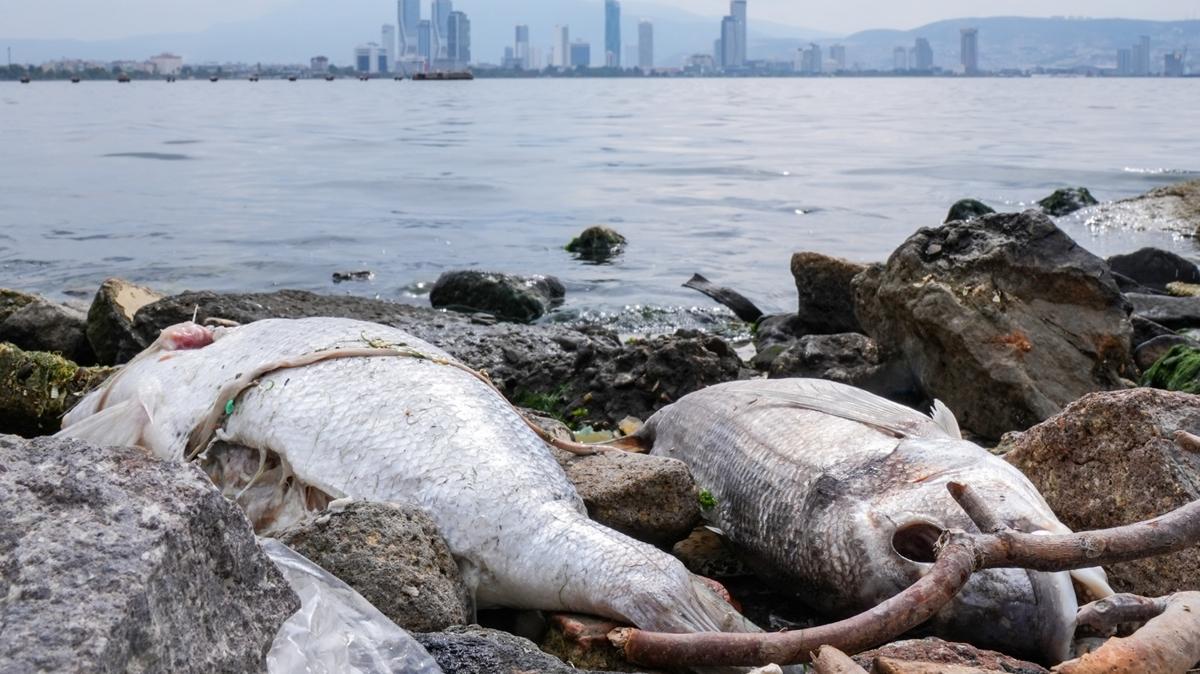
<point x="944" y="417"/>
<point x="854" y="404"/>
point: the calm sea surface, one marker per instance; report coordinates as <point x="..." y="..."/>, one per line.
<point x="241" y="186"/>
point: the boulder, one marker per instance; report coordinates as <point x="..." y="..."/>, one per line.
<point x="33" y="323"/>
<point x="1176" y="313"/>
<point x="37" y="389"/>
<point x="650" y="498"/>
<point x="826" y="296"/>
<point x="934" y="656"/>
<point x="597" y="244"/>
<point x="1145" y="330"/>
<point x="966" y="209"/>
<point x="1004" y="318"/>
<point x="477" y="650"/>
<point x="522" y="299"/>
<point x="849" y="358"/>
<point x="1068" y="200"/>
<point x="1152" y="351"/>
<point x="114" y="561"/>
<point x="393" y="556"/>
<point x="110" y="328"/>
<point x="1154" y="268"/>
<point x="1111" y="459"/>
<point x="1173" y="208"/>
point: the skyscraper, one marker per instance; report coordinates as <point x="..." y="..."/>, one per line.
<point x="1141" y="57"/>
<point x="425" y="41"/>
<point x="581" y="54"/>
<point x="521" y="47"/>
<point x="924" y="55"/>
<point x="728" y="55"/>
<point x="645" y="45"/>
<point x="440" y="16"/>
<point x="564" y="46"/>
<point x="899" y="59"/>
<point x="970" y="51"/>
<point x="737" y="9"/>
<point x="837" y="53"/>
<point x="1173" y="63"/>
<point x="458" y="40"/>
<point x="409" y="14"/>
<point x="1124" y="61"/>
<point x="612" y="33"/>
<point x="389" y="42"/>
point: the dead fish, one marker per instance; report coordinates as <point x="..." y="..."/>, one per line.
<point x="839" y="496"/>
<point x="415" y="427"/>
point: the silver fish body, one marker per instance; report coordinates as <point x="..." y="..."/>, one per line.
<point x="414" y="429"/>
<point x="839" y="496"/>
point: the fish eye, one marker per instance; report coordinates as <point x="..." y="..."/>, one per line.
<point x="916" y="542"/>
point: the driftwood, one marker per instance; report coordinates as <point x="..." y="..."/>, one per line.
<point x="829" y="660"/>
<point x="959" y="555"/>
<point x="743" y="308"/>
<point x="1168" y="644"/>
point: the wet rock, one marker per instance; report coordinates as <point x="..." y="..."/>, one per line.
<point x="347" y="276"/>
<point x="930" y="656"/>
<point x="110" y="328"/>
<point x="33" y="323"/>
<point x="597" y="244"/>
<point x="1004" y="318"/>
<point x="650" y="498"/>
<point x="391" y="554"/>
<point x="966" y="209"/>
<point x="1145" y="330"/>
<point x="583" y="641"/>
<point x="826" y="296"/>
<point x="706" y="553"/>
<point x="850" y="358"/>
<point x="476" y="650"/>
<point x="1110" y="459"/>
<point x="1176" y="313"/>
<point x="1066" y="201"/>
<point x="37" y="389"/>
<point x="1154" y="350"/>
<point x="1155" y="268"/>
<point x="1176" y="370"/>
<point x="115" y="561"/>
<point x="1173" y="208"/>
<point x="512" y="298"/>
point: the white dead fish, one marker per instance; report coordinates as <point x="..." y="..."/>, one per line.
<point x="840" y="495"/>
<point x="416" y="429"/>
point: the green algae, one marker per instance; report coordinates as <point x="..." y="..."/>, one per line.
<point x="37" y="389"/>
<point x="1179" y="370"/>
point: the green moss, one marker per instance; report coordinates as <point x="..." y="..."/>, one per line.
<point x="37" y="388"/>
<point x="707" y="500"/>
<point x="1179" y="370"/>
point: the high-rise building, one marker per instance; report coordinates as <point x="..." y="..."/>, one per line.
<point x="837" y="54"/>
<point x="440" y="16"/>
<point x="1173" y="64"/>
<point x="319" y="65"/>
<point x="813" y="61"/>
<point x="408" y="12"/>
<point x="563" y="33"/>
<point x="612" y="33"/>
<point x="728" y="56"/>
<point x="737" y="9"/>
<point x="922" y="55"/>
<point x="425" y="41"/>
<point x="581" y="54"/>
<point x="645" y="45"/>
<point x="900" y="59"/>
<point x="521" y="47"/>
<point x="969" y="51"/>
<point x="388" y="35"/>
<point x="458" y="40"/>
<point x="1125" y="62"/>
<point x="371" y="58"/>
<point x="1141" y="57"/>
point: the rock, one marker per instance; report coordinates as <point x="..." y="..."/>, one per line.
<point x="110" y="321"/>
<point x="1180" y="289"/>
<point x="1145" y="330"/>
<point x="706" y="553"/>
<point x="1004" y="318"/>
<point x="934" y="656"/>
<point x="392" y="555"/>
<point x="849" y="358"/>
<point x="1173" y="208"/>
<point x="1176" y="313"/>
<point x="32" y="323"/>
<point x="1067" y="201"/>
<point x="523" y="299"/>
<point x="649" y="498"/>
<point x="1110" y="460"/>
<point x="583" y="641"/>
<point x="1155" y="268"/>
<point x="37" y="389"/>
<point x="1176" y="370"/>
<point x="1154" y="350"/>
<point x="114" y="561"/>
<point x="476" y="650"/>
<point x="347" y="276"/>
<point x="597" y="244"/>
<point x="966" y="209"/>
<point x="826" y="296"/>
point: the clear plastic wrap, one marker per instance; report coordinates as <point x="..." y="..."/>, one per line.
<point x="336" y="630"/>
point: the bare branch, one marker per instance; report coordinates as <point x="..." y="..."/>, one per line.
<point x="1168" y="644"/>
<point x="1105" y="615"/>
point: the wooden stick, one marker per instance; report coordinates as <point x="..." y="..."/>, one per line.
<point x="1103" y="617"/>
<point x="1168" y="644"/>
<point x="959" y="555"/>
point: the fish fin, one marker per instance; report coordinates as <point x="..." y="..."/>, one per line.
<point x="944" y="417"/>
<point x="122" y="425"/>
<point x="854" y="404"/>
<point x="1095" y="581"/>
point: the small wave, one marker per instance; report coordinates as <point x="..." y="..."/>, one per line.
<point x="180" y="142"/>
<point x="159" y="156"/>
<point x="1160" y="171"/>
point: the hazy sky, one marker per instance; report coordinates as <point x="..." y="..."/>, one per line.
<point x="93" y="19"/>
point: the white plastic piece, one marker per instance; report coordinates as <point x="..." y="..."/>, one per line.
<point x="336" y="630"/>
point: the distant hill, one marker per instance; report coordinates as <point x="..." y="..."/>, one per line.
<point x="310" y="27"/>
<point x="1014" y="42"/>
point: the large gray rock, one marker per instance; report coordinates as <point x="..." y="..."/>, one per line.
<point x="110" y="321"/>
<point x="597" y="244"/>
<point x="1111" y="459"/>
<point x="1067" y="200"/>
<point x="1154" y="268"/>
<point x="511" y="298"/>
<point x="849" y="358"/>
<point x="1176" y="313"/>
<point x="826" y="296"/>
<point x="1173" y="208"/>
<point x="476" y="650"/>
<point x="966" y="209"/>
<point x="1004" y="318"/>
<point x="392" y="555"/>
<point x="33" y="323"/>
<point x="114" y="561"/>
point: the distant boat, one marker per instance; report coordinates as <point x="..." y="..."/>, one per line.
<point x="214" y="78"/>
<point x="254" y="78"/>
<point x="291" y="78"/>
<point x="442" y="77"/>
<point x="75" y="80"/>
<point x="399" y="78"/>
<point x="329" y="78"/>
<point x="123" y="78"/>
<point x="170" y="78"/>
<point x="363" y="78"/>
<point x="25" y="79"/>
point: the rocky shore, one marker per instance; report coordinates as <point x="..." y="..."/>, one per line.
<point x="1082" y="372"/>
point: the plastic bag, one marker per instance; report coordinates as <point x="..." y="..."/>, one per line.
<point x="336" y="630"/>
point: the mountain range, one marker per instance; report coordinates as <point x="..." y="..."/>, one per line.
<point x="307" y="28"/>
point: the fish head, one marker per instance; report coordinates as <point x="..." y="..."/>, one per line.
<point x="883" y="521"/>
